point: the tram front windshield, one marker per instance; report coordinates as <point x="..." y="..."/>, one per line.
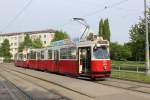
<point x="101" y="53"/>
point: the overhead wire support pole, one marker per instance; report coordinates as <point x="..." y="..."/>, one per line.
<point x="146" y="40"/>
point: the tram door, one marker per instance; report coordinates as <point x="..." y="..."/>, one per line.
<point x="84" y="60"/>
<point x="56" y="60"/>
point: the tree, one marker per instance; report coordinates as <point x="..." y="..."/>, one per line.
<point x="5" y="50"/>
<point x="21" y="47"/>
<point x="0" y="51"/>
<point x="107" y="29"/>
<point x="104" y="29"/>
<point x="27" y="43"/>
<point x="119" y="52"/>
<point x="101" y="27"/>
<point x="37" y="43"/>
<point x="137" y="39"/>
<point x="60" y="35"/>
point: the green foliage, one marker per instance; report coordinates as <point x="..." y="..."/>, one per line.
<point x="60" y="35"/>
<point x="137" y="39"/>
<point x="5" y="50"/>
<point x="37" y="43"/>
<point x="134" y="76"/>
<point x="119" y="52"/>
<point x="1" y="51"/>
<point x="107" y="29"/>
<point x="21" y="47"/>
<point x="101" y="27"/>
<point x="28" y="43"/>
<point x="104" y="29"/>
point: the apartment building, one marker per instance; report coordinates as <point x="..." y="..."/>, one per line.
<point x="15" y="39"/>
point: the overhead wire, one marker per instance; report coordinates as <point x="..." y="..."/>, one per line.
<point x="105" y="8"/>
<point x="98" y="11"/>
<point x="17" y="15"/>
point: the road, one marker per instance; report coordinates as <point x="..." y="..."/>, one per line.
<point x="47" y="86"/>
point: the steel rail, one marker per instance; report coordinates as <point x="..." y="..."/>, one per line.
<point x="24" y="93"/>
<point x="51" y="82"/>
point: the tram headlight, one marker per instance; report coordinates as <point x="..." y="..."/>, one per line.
<point x="105" y="65"/>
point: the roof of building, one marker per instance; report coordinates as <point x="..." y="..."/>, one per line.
<point x="29" y="32"/>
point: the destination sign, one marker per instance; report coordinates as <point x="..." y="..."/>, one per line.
<point x="102" y="42"/>
<point x="60" y="42"/>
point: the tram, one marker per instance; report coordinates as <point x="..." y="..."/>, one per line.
<point x="88" y="57"/>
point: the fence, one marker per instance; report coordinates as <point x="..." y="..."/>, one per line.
<point x="129" y="67"/>
<point x="130" y="72"/>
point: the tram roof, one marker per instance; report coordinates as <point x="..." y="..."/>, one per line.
<point x="64" y="43"/>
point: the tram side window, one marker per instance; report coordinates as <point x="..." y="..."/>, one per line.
<point x="68" y="53"/>
<point x="25" y="56"/>
<point x="38" y="55"/>
<point x="63" y="53"/>
<point x="42" y="54"/>
<point x="20" y="57"/>
<point x="28" y="57"/>
<point x="72" y="53"/>
<point x="49" y="54"/>
<point x="33" y="55"/>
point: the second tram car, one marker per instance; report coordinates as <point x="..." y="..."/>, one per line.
<point x="85" y="58"/>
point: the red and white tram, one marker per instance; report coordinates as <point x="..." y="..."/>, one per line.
<point x="85" y="58"/>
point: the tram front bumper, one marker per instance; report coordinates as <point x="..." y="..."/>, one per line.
<point x="101" y="74"/>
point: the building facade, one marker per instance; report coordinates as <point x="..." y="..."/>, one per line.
<point x="15" y="39"/>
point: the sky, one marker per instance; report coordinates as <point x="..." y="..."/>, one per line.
<point x="30" y="15"/>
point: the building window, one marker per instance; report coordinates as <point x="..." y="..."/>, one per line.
<point x="11" y="44"/>
<point x="44" y="36"/>
<point x="44" y="42"/>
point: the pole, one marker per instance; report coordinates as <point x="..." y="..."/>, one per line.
<point x="146" y="40"/>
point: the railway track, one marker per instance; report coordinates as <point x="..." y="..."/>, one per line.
<point x="15" y="92"/>
<point x="25" y="77"/>
<point x="127" y="85"/>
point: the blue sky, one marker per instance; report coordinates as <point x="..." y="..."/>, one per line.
<point x="56" y="14"/>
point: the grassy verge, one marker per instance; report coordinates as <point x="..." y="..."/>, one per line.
<point x="128" y="65"/>
<point x="128" y="62"/>
<point x="142" y="77"/>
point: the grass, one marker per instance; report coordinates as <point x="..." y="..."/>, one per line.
<point x="128" y="65"/>
<point x="128" y="62"/>
<point x="134" y="76"/>
<point x="128" y="70"/>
